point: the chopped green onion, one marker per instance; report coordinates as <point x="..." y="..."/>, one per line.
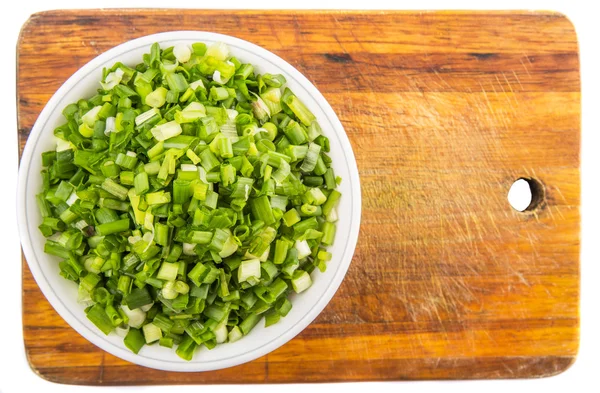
<point x="299" y="109"/>
<point x="249" y="269"/>
<point x="152" y="333"/>
<point x="291" y="217"/>
<point x="134" y="340"/>
<point x="146" y="116"/>
<point x="115" y="189"/>
<point x="328" y="230"/>
<point x="261" y="209"/>
<point x="98" y="316"/>
<point x="113" y="227"/>
<point x="301" y="281"/>
<point x="137" y="298"/>
<point x="188" y="198"/>
<point x="167" y="130"/>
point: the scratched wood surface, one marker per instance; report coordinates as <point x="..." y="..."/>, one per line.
<point x="444" y="111"/>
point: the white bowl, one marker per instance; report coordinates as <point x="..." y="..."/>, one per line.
<point x="62" y="294"/>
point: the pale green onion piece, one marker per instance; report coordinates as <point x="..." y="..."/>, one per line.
<point x="182" y="53"/>
<point x="152" y="333"/>
<point x="157" y="98"/>
<point x="272" y="99"/>
<point x="91" y="116"/>
<point x="195" y="85"/>
<point x="221" y="332"/>
<point x="144" y="117"/>
<point x="218" y="50"/>
<point x="235" y="334"/>
<point x="165" y="131"/>
<point x="112" y="79"/>
<point x="136" y="316"/>
<point x="109" y="125"/>
<point x="190" y="113"/>
<point x="303" y="249"/>
<point x="260" y="109"/>
<point x="168" y="271"/>
<point x="312" y="155"/>
<point x="229" y="247"/>
<point x="301" y="281"/>
<point x="168" y="291"/>
<point x="249" y="268"/>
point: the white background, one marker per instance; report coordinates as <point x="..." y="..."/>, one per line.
<point x="15" y="374"/>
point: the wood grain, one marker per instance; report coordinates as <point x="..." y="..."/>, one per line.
<point x="444" y="111"/>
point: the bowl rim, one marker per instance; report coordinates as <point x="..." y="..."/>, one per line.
<point x="69" y="317"/>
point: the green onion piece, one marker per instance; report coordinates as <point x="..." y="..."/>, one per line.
<point x="320" y="168"/>
<point x="291" y="217"/>
<point x="299" y="109"/>
<point x="110" y="169"/>
<point x="181" y="191"/>
<point x="186" y="348"/>
<point x="127" y="178"/>
<point x="272" y="99"/>
<point x="315" y="196"/>
<point x="181" y="287"/>
<point x="281" y="249"/>
<point x="134" y="340"/>
<point x="314" y="131"/>
<point x="199" y="48"/>
<point x="124" y="284"/>
<point x="98" y="316"/>
<point x="198" y="273"/>
<point x="166" y="342"/>
<point x="158" y="198"/>
<point x="126" y="161"/>
<point x="331" y="202"/>
<point x="113" y="227"/>
<point x="235" y="334"/>
<point x="141" y="183"/>
<point x="157" y="98"/>
<point x="70" y="239"/>
<point x="310" y="161"/>
<point x="146" y="116"/>
<point x="228" y="175"/>
<point x="330" y="179"/>
<point x="211" y="199"/>
<point x="272" y="317"/>
<point x="285" y="307"/>
<point x="294" y="132"/>
<point x="249" y="269"/>
<point x="261" y="209"/>
<point x="168" y="271"/>
<point x="152" y="333"/>
<point x="328" y="230"/>
<point x="177" y="82"/>
<point x="190" y="113"/>
<point x="301" y="281"/>
<point x="137" y="298"/>
<point x="279" y="202"/>
<point x="113" y="204"/>
<point x="115" y="189"/>
<point x="248" y="324"/>
<point x="192" y="156"/>
<point x="154" y="152"/>
<point x="89" y="281"/>
<point x="208" y="160"/>
<point x="165" y="131"/>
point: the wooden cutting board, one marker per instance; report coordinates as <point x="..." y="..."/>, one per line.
<point x="444" y="111"/>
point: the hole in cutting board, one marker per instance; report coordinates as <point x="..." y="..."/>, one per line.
<point x="525" y="194"/>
